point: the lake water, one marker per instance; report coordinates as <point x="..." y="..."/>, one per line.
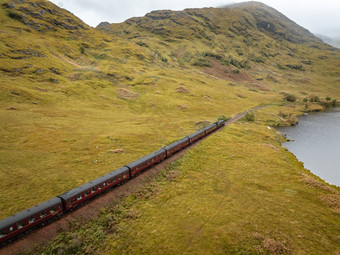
<point x="317" y="143"/>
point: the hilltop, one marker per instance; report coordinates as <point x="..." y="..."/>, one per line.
<point x="78" y="102"/>
<point x="241" y="39"/>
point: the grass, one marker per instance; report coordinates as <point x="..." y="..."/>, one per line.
<point x="43" y="142"/>
<point x="77" y="105"/>
<point x="257" y="199"/>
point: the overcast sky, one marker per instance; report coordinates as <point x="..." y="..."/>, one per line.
<point x="321" y="17"/>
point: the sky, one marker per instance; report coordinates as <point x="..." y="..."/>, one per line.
<point x="322" y="17"/>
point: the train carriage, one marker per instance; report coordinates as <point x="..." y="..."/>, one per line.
<point x="146" y="161"/>
<point x="79" y="195"/>
<point x="210" y="128"/>
<point x="176" y="146"/>
<point x="29" y="218"/>
<point x="196" y="136"/>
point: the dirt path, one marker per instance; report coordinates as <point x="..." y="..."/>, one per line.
<point x="45" y="234"/>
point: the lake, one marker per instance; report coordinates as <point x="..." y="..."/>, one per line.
<point x="317" y="143"/>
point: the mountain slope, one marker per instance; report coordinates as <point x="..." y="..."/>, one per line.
<point x="71" y="95"/>
<point x="274" y="23"/>
<point x="242" y="38"/>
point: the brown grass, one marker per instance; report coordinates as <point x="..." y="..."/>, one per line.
<point x="274" y="246"/>
<point x="182" y="90"/>
<point x="317" y="184"/>
<point x="126" y="94"/>
<point x="332" y="200"/>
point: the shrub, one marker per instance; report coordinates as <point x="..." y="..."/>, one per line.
<point x="202" y="62"/>
<point x="290" y="98"/>
<point x="164" y="59"/>
<point x="281" y="66"/>
<point x="222" y="117"/>
<point x="213" y="55"/>
<point x="305" y="99"/>
<point x="296" y="67"/>
<point x="334" y="102"/>
<point x="82" y="50"/>
<point x="328" y="98"/>
<point x="142" y="44"/>
<point x="249" y="117"/>
<point x="282" y="115"/>
<point x="315" y="99"/>
<point x="14" y="15"/>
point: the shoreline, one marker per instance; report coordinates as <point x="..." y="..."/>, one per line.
<point x="292" y="139"/>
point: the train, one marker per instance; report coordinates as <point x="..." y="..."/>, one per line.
<point x="48" y="211"/>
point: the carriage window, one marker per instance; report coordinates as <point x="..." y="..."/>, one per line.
<point x="11" y="229"/>
<point x="42" y="214"/>
<point x="2" y="233"/>
<point x="118" y="177"/>
<point x="20" y="225"/>
<point x="104" y="184"/>
<point x="69" y="202"/>
<point x="100" y="186"/>
<point x="79" y="197"/>
<point x="93" y="189"/>
<point x="31" y="220"/>
<point x="87" y="192"/>
<point x="108" y="182"/>
<point x="53" y="209"/>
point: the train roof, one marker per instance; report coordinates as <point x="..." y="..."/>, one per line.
<point x="196" y="133"/>
<point x="210" y="126"/>
<point x="174" y="144"/>
<point x="145" y="158"/>
<point x="91" y="184"/>
<point x="29" y="212"/>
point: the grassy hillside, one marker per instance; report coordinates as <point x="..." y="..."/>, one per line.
<point x="239" y="204"/>
<point x="71" y="97"/>
<point x="78" y="102"/>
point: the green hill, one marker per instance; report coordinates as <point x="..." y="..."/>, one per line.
<point x="78" y="102"/>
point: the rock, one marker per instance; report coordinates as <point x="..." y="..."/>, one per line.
<point x="9" y="5"/>
<point x="53" y="70"/>
<point x="53" y="80"/>
<point x="117" y="151"/>
<point x="103" y="25"/>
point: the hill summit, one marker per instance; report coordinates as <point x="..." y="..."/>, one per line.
<point x="239" y="19"/>
<point x="241" y="36"/>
